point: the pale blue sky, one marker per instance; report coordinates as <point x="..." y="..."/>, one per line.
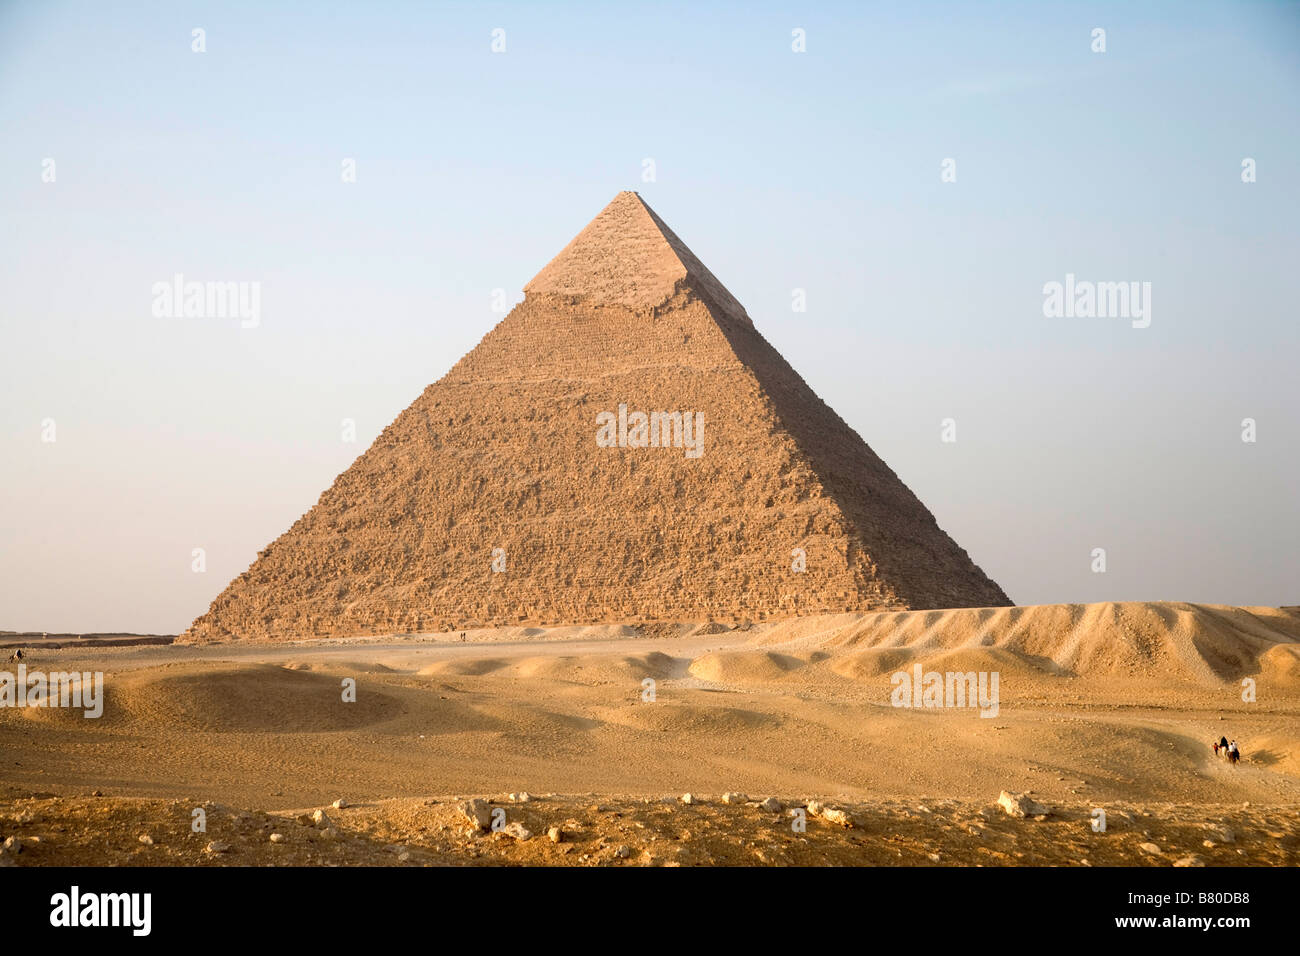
<point x="818" y="171"/>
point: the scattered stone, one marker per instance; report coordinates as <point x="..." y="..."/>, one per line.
<point x="216" y="846"/>
<point x="933" y="857"/>
<point x="623" y="852"/>
<point x="1150" y="848"/>
<point x="477" y="812"/>
<point x="523" y="796"/>
<point x="1209" y="844"/>
<point x="840" y="817"/>
<point x="146" y="839"/>
<point x="13" y="845"/>
<point x="518" y="831"/>
<point x="1190" y="860"/>
<point x="1019" y="805"/>
<point x="815" y="808"/>
<point x="771" y="805"/>
<point x="277" y="837"/>
<point x="555" y="834"/>
<point x="340" y="804"/>
<point x="731" y="798"/>
<point x="690" y="799"/>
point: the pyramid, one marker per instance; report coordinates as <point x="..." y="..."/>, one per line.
<point x="521" y="489"/>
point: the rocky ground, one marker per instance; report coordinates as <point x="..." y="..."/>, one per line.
<point x="699" y="830"/>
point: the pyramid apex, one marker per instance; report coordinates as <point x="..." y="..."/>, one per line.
<point x="628" y="256"/>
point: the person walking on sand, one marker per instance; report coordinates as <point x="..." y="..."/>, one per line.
<point x="1233" y="753"/>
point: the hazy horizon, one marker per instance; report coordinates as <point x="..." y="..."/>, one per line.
<point x="818" y="171"/>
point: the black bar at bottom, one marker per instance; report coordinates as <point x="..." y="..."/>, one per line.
<point x="939" y="905"/>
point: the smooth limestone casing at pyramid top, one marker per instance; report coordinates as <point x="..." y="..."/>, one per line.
<point x="502" y="453"/>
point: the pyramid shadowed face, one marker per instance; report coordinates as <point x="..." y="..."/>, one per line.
<point x="627" y="338"/>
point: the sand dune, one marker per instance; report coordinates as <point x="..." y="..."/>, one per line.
<point x="744" y="666"/>
<point x="1156" y="641"/>
<point x="249" y="699"/>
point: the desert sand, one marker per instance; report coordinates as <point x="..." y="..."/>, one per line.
<point x="1108" y="705"/>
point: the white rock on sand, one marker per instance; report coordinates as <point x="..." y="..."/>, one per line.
<point x="1019" y="805"/>
<point x="837" y="816"/>
<point x="518" y="831"/>
<point x="477" y="812"/>
<point x="830" y="814"/>
<point x="731" y="798"/>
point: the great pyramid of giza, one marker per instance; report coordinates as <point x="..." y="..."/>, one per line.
<point x="534" y="483"/>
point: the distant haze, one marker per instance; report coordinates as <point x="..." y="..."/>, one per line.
<point x="812" y="177"/>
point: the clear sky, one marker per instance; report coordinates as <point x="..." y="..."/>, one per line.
<point x="818" y="170"/>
